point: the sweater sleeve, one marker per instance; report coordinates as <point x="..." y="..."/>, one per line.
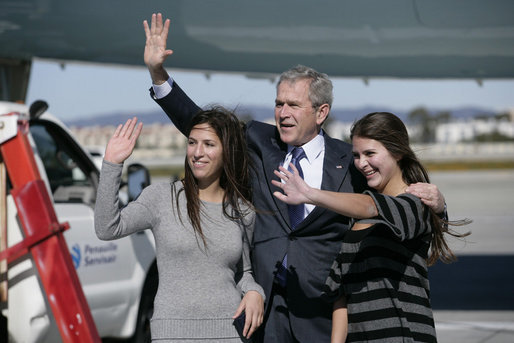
<point x="111" y="222"/>
<point x="244" y="275"/>
<point x="405" y="215"/>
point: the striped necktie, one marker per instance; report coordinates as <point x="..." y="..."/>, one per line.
<point x="296" y="213"/>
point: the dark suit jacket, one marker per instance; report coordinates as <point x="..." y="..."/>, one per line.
<point x="313" y="246"/>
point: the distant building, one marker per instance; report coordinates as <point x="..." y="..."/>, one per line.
<point x="165" y="144"/>
<point x="459" y="131"/>
<point x="156" y="140"/>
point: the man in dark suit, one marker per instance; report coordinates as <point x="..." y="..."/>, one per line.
<point x="291" y="261"/>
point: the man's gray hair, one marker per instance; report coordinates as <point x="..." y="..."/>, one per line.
<point x="320" y="90"/>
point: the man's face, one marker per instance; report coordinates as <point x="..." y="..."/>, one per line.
<point x="297" y="121"/>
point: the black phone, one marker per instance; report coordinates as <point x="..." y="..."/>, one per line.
<point x="239" y="323"/>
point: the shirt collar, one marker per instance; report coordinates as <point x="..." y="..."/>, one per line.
<point x="312" y="148"/>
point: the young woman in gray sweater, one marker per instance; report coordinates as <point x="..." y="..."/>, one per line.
<point x="202" y="225"/>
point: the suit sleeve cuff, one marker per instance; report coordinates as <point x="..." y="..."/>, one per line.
<point x="160" y="91"/>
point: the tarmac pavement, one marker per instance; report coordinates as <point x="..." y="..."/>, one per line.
<point x="473" y="298"/>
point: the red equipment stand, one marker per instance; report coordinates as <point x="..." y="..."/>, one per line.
<point x="45" y="241"/>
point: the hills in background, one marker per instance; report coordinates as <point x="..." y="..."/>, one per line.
<point x="263" y="113"/>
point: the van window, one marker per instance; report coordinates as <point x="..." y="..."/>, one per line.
<point x="70" y="175"/>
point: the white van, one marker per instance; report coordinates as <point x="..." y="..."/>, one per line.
<point x="119" y="278"/>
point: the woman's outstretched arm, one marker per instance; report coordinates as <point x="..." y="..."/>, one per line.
<point x="297" y="191"/>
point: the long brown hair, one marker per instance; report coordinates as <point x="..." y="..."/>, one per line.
<point x="235" y="174"/>
<point x="389" y="130"/>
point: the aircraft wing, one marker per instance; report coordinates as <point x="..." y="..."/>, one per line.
<point x="365" y="38"/>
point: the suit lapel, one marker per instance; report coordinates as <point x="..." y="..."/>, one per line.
<point x="275" y="158"/>
<point x="335" y="169"/>
<point x="335" y="165"/>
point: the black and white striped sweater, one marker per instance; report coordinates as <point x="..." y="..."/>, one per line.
<point x="382" y="271"/>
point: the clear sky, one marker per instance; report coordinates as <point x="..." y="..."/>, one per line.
<point x="86" y="90"/>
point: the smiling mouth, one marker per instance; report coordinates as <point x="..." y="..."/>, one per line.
<point x="369" y="173"/>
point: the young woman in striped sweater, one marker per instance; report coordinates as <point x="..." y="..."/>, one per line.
<point x="379" y="280"/>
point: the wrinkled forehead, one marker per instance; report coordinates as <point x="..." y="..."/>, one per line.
<point x="294" y="90"/>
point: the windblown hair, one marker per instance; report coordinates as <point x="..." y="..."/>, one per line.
<point x="389" y="130"/>
<point x="320" y="89"/>
<point x="234" y="178"/>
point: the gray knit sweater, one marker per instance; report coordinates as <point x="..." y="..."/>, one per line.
<point x="199" y="288"/>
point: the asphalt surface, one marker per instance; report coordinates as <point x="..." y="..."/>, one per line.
<point x="473" y="298"/>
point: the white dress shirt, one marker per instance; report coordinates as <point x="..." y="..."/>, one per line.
<point x="312" y="165"/>
<point x="161" y="91"/>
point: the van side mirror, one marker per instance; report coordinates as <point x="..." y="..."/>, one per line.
<point x="37" y="108"/>
<point x="138" y="178"/>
